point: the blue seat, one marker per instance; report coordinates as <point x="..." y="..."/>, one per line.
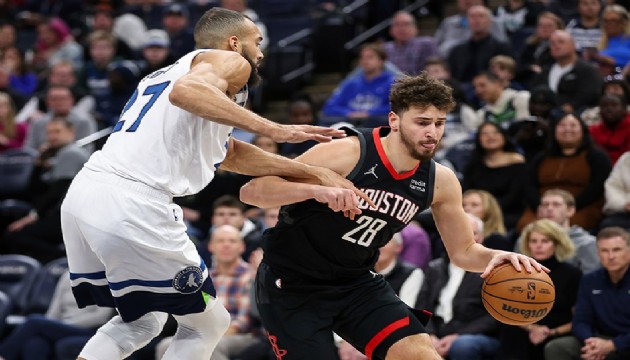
<point x="38" y="298"/>
<point x="17" y="274"/>
<point x="16" y="167"/>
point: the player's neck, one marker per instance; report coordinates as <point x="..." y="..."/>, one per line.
<point x="397" y="154"/>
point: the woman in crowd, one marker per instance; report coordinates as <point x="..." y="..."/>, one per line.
<point x="485" y="206"/>
<point x="497" y="167"/>
<point x="572" y="163"/>
<point x="12" y="134"/>
<point x="549" y="244"/>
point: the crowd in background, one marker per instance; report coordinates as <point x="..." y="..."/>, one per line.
<point x="540" y="140"/>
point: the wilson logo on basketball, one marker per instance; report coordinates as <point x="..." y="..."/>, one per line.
<point x="526" y="313"/>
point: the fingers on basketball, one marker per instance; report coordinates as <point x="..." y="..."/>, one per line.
<point x="517" y="298"/>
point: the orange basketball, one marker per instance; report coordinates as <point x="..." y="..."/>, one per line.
<point x="517" y="298"/>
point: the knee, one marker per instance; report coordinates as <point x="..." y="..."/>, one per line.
<point x="141" y="331"/>
<point x="463" y="346"/>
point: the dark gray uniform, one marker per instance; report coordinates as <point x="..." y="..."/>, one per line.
<point x="315" y="276"/>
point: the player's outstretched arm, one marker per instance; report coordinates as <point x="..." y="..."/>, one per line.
<point x="208" y="90"/>
<point x="457" y="234"/>
<point x="333" y="162"/>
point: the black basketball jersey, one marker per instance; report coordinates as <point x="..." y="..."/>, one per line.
<point x="313" y="245"/>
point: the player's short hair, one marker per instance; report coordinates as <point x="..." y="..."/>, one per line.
<point x="554" y="232"/>
<point x="566" y="196"/>
<point x="422" y="91"/>
<point x="216" y="25"/>
<point x="614" y="231"/>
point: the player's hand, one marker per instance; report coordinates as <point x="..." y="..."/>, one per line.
<point x="301" y="133"/>
<point x="519" y="261"/>
<point x="330" y="178"/>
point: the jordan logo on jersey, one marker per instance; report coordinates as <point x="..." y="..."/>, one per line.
<point x="372" y="171"/>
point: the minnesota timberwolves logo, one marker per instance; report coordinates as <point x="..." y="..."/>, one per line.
<point x="189" y="280"/>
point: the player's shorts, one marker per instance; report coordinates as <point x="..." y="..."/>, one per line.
<point x="127" y="248"/>
<point x="367" y="314"/>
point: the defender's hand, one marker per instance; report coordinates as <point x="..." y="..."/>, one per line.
<point x="330" y="178"/>
<point x="301" y="133"/>
<point x="338" y="199"/>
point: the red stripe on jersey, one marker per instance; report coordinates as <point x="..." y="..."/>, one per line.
<point x="388" y="330"/>
<point x="385" y="160"/>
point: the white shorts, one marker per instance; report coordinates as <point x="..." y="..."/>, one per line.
<point x="127" y="248"/>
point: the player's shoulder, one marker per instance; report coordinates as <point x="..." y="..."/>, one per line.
<point x="214" y="55"/>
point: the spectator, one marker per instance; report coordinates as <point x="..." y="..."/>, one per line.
<point x="502" y="106"/>
<point x="229" y="210"/>
<point x="517" y="15"/>
<point x="175" y="23"/>
<point x="416" y="245"/>
<point x="485" y="206"/>
<point x="530" y="136"/>
<point x="617" y="186"/>
<point x="241" y="6"/>
<point x="547" y="242"/>
<point x="102" y="49"/>
<point x="408" y="51"/>
<point x="233" y="278"/>
<point x="103" y="20"/>
<point x="586" y="29"/>
<point x="614" y="48"/>
<point x="612" y="85"/>
<point x="462" y="121"/>
<point x="571" y="162"/>
<point x="601" y="323"/>
<point x="155" y="52"/>
<point x="21" y="79"/>
<point x="504" y="67"/>
<point x="497" y="168"/>
<point x="404" y="278"/>
<point x="64" y="74"/>
<point x="60" y="101"/>
<point x="559" y="206"/>
<point x="299" y="112"/>
<point x="123" y="77"/>
<point x="8" y="36"/>
<point x="460" y="328"/>
<point x="473" y="55"/>
<point x="364" y="96"/>
<point x="12" y="134"/>
<point x="577" y="84"/>
<point x="536" y="54"/>
<point x="38" y="234"/>
<point x="55" y="43"/>
<point x="613" y="132"/>
<point x="455" y="28"/>
<point x="37" y="337"/>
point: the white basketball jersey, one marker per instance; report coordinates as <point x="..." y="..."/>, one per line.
<point x="161" y="145"/>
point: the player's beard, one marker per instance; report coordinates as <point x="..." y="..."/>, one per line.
<point x="254" y="77"/>
<point x="412" y="148"/>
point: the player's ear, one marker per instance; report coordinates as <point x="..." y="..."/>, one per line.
<point x="394" y="121"/>
<point x="234" y="43"/>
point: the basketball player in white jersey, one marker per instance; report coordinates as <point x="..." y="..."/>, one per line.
<point x="125" y="238"/>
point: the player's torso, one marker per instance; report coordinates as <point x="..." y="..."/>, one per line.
<point x="160" y="144"/>
<point x="320" y="243"/>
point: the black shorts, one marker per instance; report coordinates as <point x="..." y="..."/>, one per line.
<point x="367" y="314"/>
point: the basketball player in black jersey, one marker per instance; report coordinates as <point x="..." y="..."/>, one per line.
<point x="315" y="275"/>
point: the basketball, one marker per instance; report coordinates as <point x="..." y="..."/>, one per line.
<point x="517" y="298"/>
